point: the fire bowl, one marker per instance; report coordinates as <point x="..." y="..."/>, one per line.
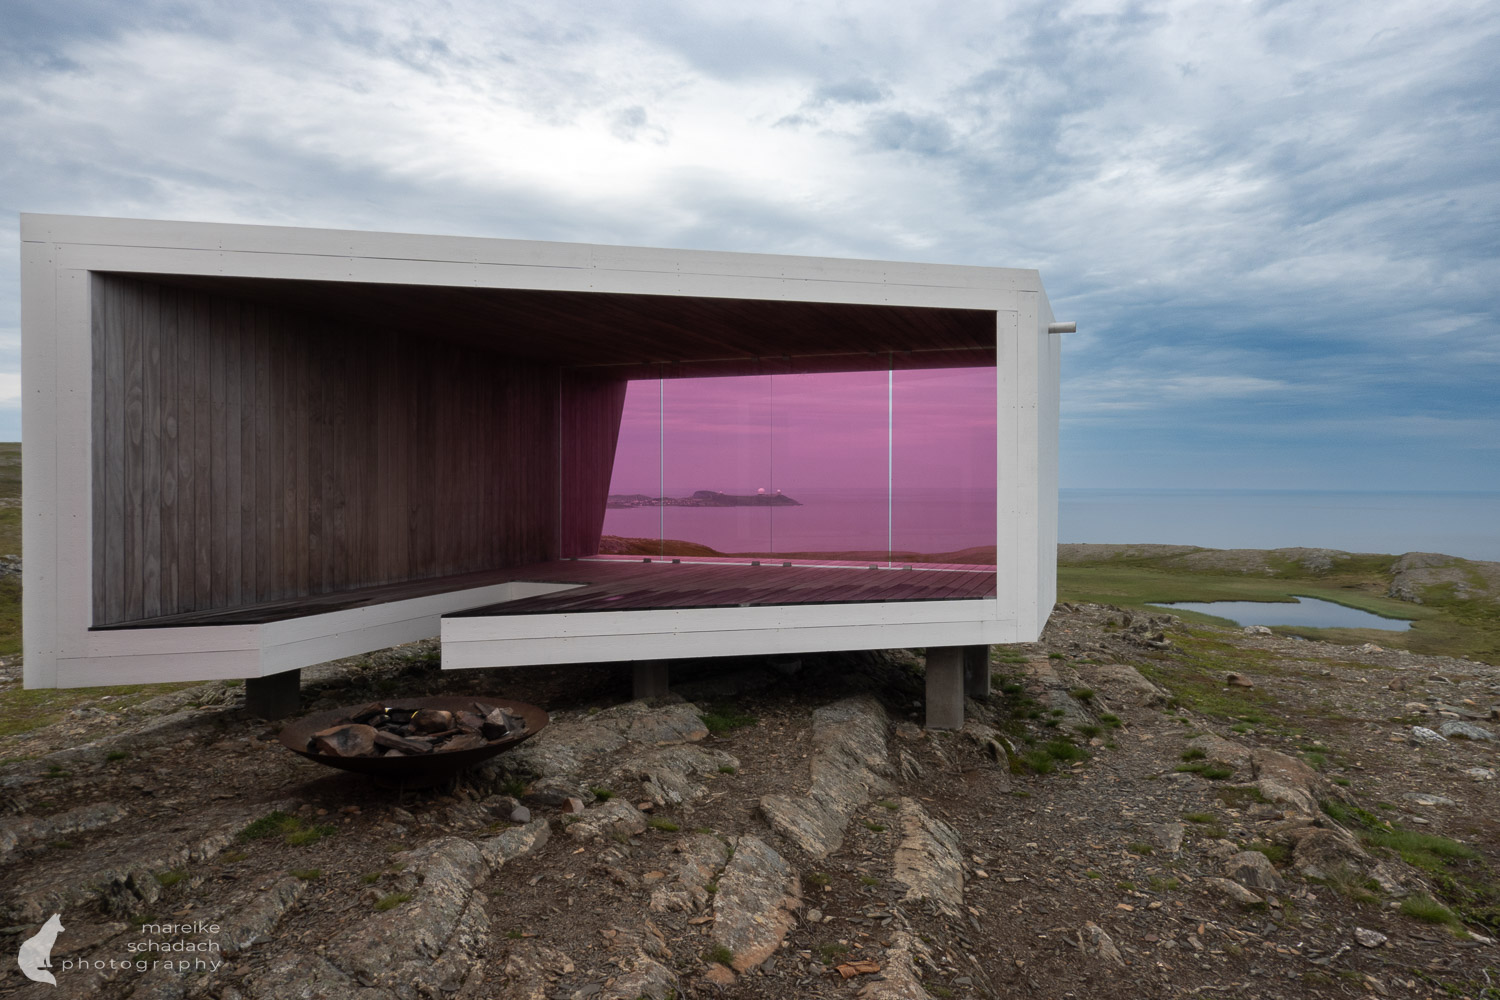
<point x="417" y="770"/>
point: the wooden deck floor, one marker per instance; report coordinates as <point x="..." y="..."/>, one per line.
<point x="616" y="584"/>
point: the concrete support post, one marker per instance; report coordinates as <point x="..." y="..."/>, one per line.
<point x="274" y="697"/>
<point x="650" y="678"/>
<point x="977" y="671"/>
<point x="945" y="687"/>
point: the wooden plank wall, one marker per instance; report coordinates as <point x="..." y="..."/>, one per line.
<point x="591" y="408"/>
<point x="246" y="453"/>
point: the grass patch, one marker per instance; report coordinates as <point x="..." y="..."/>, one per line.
<point x="1065" y="750"/>
<point x="887" y="804"/>
<point x="1428" y="910"/>
<point x="230" y="857"/>
<point x="1444" y="624"/>
<point x="1111" y="720"/>
<point x="1140" y="847"/>
<point x="868" y="881"/>
<point x="171" y="878"/>
<point x="728" y="769"/>
<point x="1213" y="772"/>
<point x="513" y="786"/>
<point x="272" y="824"/>
<point x="719" y="954"/>
<point x="832" y="952"/>
<point x="1158" y="883"/>
<point x="663" y="824"/>
<point x="392" y="900"/>
<point x="1275" y="853"/>
<point x="818" y="879"/>
<point x="1194" y="753"/>
<point x="117" y="755"/>
<point x="1199" y="817"/>
<point x="24" y="710"/>
<point x="310" y="835"/>
<point x="1081" y="693"/>
<point x="874" y="827"/>
<point x="307" y="874"/>
<point x="1351" y="883"/>
<point x="289" y="828"/>
<point x="602" y="794"/>
<point x="720" y="719"/>
<point x="1090" y="731"/>
<point x="1240" y="796"/>
<point x="1036" y="762"/>
<point x="370" y="878"/>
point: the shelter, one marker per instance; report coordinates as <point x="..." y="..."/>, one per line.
<point x="252" y="448"/>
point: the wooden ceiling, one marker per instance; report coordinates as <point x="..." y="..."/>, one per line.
<point x="639" y="336"/>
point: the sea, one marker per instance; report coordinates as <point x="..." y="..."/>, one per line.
<point x="1460" y="524"/>
<point x="1465" y="524"/>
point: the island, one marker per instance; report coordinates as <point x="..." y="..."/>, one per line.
<point x="703" y="498"/>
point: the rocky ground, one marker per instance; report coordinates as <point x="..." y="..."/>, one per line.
<point x="1121" y="817"/>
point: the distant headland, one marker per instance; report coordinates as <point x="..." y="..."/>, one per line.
<point x="704" y="498"/>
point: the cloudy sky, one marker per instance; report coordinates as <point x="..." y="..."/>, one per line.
<point x="1275" y="223"/>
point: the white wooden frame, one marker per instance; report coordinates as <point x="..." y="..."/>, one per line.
<point x="58" y="252"/>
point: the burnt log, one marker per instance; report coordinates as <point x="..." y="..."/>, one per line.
<point x="351" y="740"/>
<point x="432" y="720"/>
<point x="406" y="744"/>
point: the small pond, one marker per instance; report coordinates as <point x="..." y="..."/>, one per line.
<point x="1307" y="612"/>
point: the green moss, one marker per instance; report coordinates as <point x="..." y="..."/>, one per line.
<point x="719" y="954"/>
<point x="307" y="874"/>
<point x="874" y="827"/>
<point x="392" y="900"/>
<point x="832" y="952"/>
<point x="273" y="824"/>
<point x="310" y="835"/>
<point x="663" y="824"/>
<point x="1199" y="817"/>
<point x="601" y="793"/>
<point x="171" y="878"/>
<point x="724" y="718"/>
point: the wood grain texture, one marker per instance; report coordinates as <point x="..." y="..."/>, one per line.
<point x="611" y="329"/>
<point x="616" y="585"/>
<point x="246" y="453"/>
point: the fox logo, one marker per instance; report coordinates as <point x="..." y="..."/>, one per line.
<point x="36" y="951"/>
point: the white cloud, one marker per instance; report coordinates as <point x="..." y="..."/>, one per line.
<point x="1239" y="203"/>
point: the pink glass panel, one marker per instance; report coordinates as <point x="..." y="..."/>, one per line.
<point x="829" y="454"/>
<point x="632" y="520"/>
<point x="716" y="457"/>
<point x="943" y="465"/>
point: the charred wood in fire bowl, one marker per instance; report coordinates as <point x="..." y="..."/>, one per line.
<point x="344" y="741"/>
<point x="406" y="744"/>
<point x="464" y="741"/>
<point x="432" y="720"/>
<point x="367" y="714"/>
